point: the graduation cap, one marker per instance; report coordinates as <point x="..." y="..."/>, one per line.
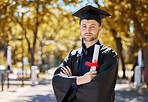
<point x="89" y="12"/>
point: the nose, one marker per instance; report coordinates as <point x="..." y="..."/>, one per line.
<point x="88" y="29"/>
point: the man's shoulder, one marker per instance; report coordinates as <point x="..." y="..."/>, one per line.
<point x="106" y="50"/>
<point x="76" y="51"/>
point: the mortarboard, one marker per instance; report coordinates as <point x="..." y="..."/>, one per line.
<point x="89" y="12"/>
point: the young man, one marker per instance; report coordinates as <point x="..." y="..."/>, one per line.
<point x="73" y="81"/>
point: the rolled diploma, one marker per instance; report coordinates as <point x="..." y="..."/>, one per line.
<point x="95" y="56"/>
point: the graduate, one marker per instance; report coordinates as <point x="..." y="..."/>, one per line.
<point x="73" y="81"/>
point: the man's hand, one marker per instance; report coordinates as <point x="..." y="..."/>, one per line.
<point x="86" y="78"/>
<point x="66" y="71"/>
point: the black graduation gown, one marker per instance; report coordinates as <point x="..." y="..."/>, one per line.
<point x="101" y="87"/>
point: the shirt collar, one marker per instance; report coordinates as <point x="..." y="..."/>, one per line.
<point x="90" y="49"/>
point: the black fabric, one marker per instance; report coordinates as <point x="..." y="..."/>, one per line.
<point x="100" y="89"/>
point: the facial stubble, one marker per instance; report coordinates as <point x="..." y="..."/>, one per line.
<point x="91" y="38"/>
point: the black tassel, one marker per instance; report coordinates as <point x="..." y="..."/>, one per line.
<point x="82" y="41"/>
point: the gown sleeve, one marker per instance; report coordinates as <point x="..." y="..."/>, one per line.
<point x="61" y="82"/>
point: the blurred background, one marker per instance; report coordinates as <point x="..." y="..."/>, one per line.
<point x="41" y="33"/>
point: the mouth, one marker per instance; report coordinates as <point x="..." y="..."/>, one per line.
<point x="87" y="34"/>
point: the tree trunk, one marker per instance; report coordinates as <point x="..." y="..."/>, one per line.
<point x="119" y="48"/>
<point x="32" y="57"/>
<point x="145" y="50"/>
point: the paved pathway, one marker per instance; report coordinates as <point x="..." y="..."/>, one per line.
<point x="125" y="92"/>
<point x="39" y="93"/>
<point x="129" y="93"/>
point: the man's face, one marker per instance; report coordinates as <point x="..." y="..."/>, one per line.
<point x="89" y="30"/>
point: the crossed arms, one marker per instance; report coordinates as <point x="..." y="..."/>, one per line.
<point x="86" y="78"/>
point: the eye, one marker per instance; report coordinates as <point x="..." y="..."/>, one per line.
<point x="93" y="26"/>
<point x="83" y="26"/>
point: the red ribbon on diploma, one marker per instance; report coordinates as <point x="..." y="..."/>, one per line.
<point x="92" y="64"/>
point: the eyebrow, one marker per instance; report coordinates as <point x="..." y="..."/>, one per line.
<point x="93" y="24"/>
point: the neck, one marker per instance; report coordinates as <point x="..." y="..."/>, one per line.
<point x="88" y="44"/>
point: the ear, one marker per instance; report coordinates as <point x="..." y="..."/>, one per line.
<point x="99" y="28"/>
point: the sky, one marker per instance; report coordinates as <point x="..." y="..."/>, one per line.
<point x="73" y="9"/>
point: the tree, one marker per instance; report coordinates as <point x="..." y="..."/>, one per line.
<point x="40" y="14"/>
<point x="127" y="15"/>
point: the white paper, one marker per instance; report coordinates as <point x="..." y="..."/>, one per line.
<point x="95" y="56"/>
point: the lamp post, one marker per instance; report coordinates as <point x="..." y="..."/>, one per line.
<point x="9" y="64"/>
<point x="22" y="11"/>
